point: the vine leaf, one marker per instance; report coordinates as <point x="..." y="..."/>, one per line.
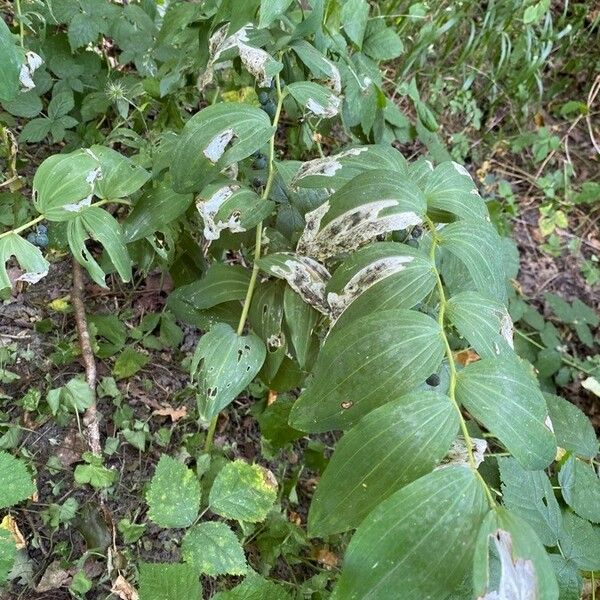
<point x="367" y="364"/>
<point x="174" y="494"/>
<point x="17" y="484"/>
<point x="503" y="395"/>
<point x="526" y="550"/>
<point x="224" y="363"/>
<point x="212" y="548"/>
<point x="390" y="447"/>
<point x="215" y="138"/>
<point x="29" y="257"/>
<point x="174" y="581"/>
<point x="581" y="488"/>
<point x="392" y="548"/>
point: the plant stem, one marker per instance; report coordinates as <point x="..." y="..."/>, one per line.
<point x="20" y="17"/>
<point x="257" y="245"/>
<point x="452" y="366"/>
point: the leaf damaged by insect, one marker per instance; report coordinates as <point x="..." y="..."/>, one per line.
<point x="458" y="454"/>
<point x="327" y="166"/>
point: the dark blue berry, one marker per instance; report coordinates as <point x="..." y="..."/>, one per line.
<point x="42" y="229"/>
<point x="260" y="162"/>
<point x="42" y="240"/>
<point x="32" y="237"/>
<point x="412" y="243"/>
<point x="433" y="380"/>
<point x="263" y="98"/>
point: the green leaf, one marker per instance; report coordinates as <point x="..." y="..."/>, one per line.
<point x="10" y="64"/>
<point x="516" y="540"/>
<point x="169" y="582"/>
<point x="380" y="276"/>
<point x="529" y="495"/>
<point x="354" y="15"/>
<point x="174" y="494"/>
<point x="366" y="364"/>
<point x="60" y="105"/>
<point x="230" y="207"/>
<point x="371" y="204"/>
<point x="94" y="472"/>
<point x="504" y="396"/>
<point x="580" y="542"/>
<point x="270" y="10"/>
<point x="97" y="224"/>
<point x="35" y="130"/>
<point x="29" y="257"/>
<point x="381" y="42"/>
<point x="154" y="211"/>
<point x="61" y="180"/>
<point x="476" y="244"/>
<point x="254" y="587"/>
<point x="77" y="394"/>
<point x="420" y="540"/>
<point x="570" y="583"/>
<point x="83" y="30"/>
<point x="215" y="138"/>
<point x="129" y="362"/>
<point x="223" y="365"/>
<point x="119" y="176"/>
<point x="212" y="548"/>
<point x="25" y="104"/>
<point x="389" y="448"/>
<point x="485" y="323"/>
<point x="337" y="170"/>
<point x="573" y="430"/>
<point x="318" y="65"/>
<point x="580" y="488"/>
<point x="315" y="98"/>
<point x="8" y="551"/>
<point x="243" y="492"/>
<point x="17" y="484"/>
<point x="301" y="319"/>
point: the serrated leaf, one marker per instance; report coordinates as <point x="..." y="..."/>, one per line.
<point x="522" y="549"/>
<point x="8" y="552"/>
<point x="371" y="204"/>
<point x="154" y="211"/>
<point x="569" y="581"/>
<point x="381" y="42"/>
<point x="243" y="492"/>
<point x="420" y="540"/>
<point x="389" y="448"/>
<point x="529" y="495"/>
<point x="212" y="548"/>
<point x="160" y="581"/>
<point x="174" y="494"/>
<point x="573" y="430"/>
<point x="129" y="362"/>
<point x="224" y="363"/>
<point x="10" y="64"/>
<point x="503" y="395"/>
<point x="485" y="323"/>
<point x="35" y="130"/>
<point x="26" y="104"/>
<point x="119" y="176"/>
<point x="254" y="587"/>
<point x="580" y="542"/>
<point x="300" y="319"/>
<point x="17" y="484"/>
<point x="475" y="243"/>
<point x="270" y="10"/>
<point x="315" y="98"/>
<point x="215" y="138"/>
<point x="60" y="105"/>
<point x="94" y="472"/>
<point x="367" y="364"/>
<point x="354" y="15"/>
<point x="580" y="488"/>
<point x="337" y="170"/>
<point x="83" y="30"/>
<point x="29" y="257"/>
<point x="380" y="276"/>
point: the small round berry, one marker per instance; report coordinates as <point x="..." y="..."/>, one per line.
<point x="433" y="380"/>
<point x="412" y="243"/>
<point x="260" y="162"/>
<point x="263" y="98"/>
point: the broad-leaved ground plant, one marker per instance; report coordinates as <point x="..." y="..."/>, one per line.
<point x="198" y="140"/>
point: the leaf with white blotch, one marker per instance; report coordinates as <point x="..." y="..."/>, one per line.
<point x="376" y="359"/>
<point x="231" y="207"/>
<point x="526" y="567"/>
<point x="212" y="548"/>
<point x="17" y="484"/>
<point x="458" y="454"/>
<point x="580" y="488"/>
<point x="580" y="542"/>
<point x="154" y="211"/>
<point x="305" y="276"/>
<point x="254" y="587"/>
<point x="315" y="98"/>
<point x="319" y="66"/>
<point x="503" y="395"/>
<point x="119" y="176"/>
<point x="420" y="540"/>
<point x="371" y="204"/>
<point x="300" y="319"/>
<point x="97" y="224"/>
<point x="174" y="494"/>
<point x="477" y="245"/>
<point x="64" y="180"/>
<point x="450" y="188"/>
<point x="243" y="492"/>
<point x="529" y="495"/>
<point x="168" y="581"/>
<point x="223" y="365"/>
<point x="380" y="276"/>
<point x="389" y="448"/>
<point x="334" y="171"/>
<point x="483" y="322"/>
<point x="573" y="430"/>
<point x="215" y="138"/>
<point x="29" y="257"/>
